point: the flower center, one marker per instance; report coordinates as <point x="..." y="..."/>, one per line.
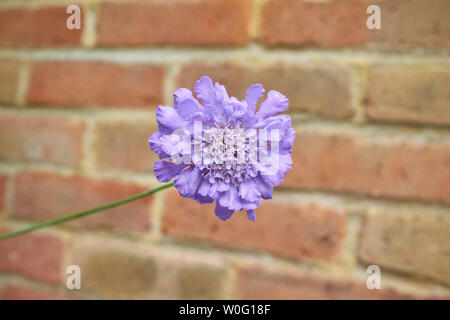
<point x="227" y="154"/>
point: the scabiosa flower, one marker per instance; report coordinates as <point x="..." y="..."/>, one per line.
<point x="224" y="150"/>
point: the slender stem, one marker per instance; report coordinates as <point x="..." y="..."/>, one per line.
<point x="74" y="216"/>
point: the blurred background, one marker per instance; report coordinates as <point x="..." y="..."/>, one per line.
<point x="370" y="184"/>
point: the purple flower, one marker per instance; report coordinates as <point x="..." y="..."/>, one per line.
<point x="224" y="150"/>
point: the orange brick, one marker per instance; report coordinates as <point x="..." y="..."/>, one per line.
<point x="124" y="146"/>
<point x="409" y="93"/>
<point x="412" y="23"/>
<point x="41" y="139"/>
<point x="37" y="256"/>
<point x="40" y="196"/>
<point x="197" y="23"/>
<point x="365" y="164"/>
<point x="293" y="230"/>
<point x="335" y="23"/>
<point x="318" y="90"/>
<point x="342" y="23"/>
<point x="93" y="83"/>
<point x="255" y="283"/>
<point x="36" y="27"/>
<point x="415" y="242"/>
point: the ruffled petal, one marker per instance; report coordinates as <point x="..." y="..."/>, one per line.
<point x="156" y="145"/>
<point x="264" y="188"/>
<point x="222" y="212"/>
<point x="214" y="97"/>
<point x="187" y="106"/>
<point x="254" y="93"/>
<point x="204" y="90"/>
<point x="213" y="193"/>
<point x="251" y="214"/>
<point x="230" y="199"/>
<point x="285" y="162"/>
<point x="220" y="93"/>
<point x="287" y="141"/>
<point x="168" y="119"/>
<point x="275" y="178"/>
<point x="187" y="182"/>
<point x="275" y="102"/>
<point x="202" y="199"/>
<point x="222" y="186"/>
<point x="174" y="145"/>
<point x="237" y="108"/>
<point x="204" y="187"/>
<point x="166" y="171"/>
<point x="248" y="190"/>
<point x="279" y="121"/>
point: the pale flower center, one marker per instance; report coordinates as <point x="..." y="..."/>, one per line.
<point x="227" y="154"/>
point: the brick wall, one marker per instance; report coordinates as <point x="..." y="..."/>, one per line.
<point x="371" y="177"/>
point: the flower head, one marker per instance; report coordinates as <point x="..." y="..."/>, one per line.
<point x="224" y="150"/>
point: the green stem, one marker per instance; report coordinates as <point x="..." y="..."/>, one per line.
<point x="74" y="216"/>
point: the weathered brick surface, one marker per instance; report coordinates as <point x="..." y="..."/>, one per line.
<point x="41" y="139"/>
<point x="37" y="256"/>
<point x="319" y="90"/>
<point x="141" y="271"/>
<point x="124" y="146"/>
<point x="260" y="283"/>
<point x="371" y="108"/>
<point x="342" y="23"/>
<point x="9" y="80"/>
<point x="205" y="22"/>
<point x="412" y="23"/>
<point x="3" y="181"/>
<point x="94" y="83"/>
<point x="21" y="292"/>
<point x="411" y="242"/>
<point x="334" y="23"/>
<point x="373" y="165"/>
<point x="408" y="93"/>
<point x="294" y="230"/>
<point x="36" y="27"/>
<point x="41" y="195"/>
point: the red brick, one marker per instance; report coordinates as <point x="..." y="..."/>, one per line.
<point x="40" y="196"/>
<point x="293" y="230"/>
<point x="409" y="93"/>
<point x="37" y="256"/>
<point x="36" y="27"/>
<point x="410" y="241"/>
<point x="3" y="181"/>
<point x="379" y="166"/>
<point x="268" y="284"/>
<point x="20" y="292"/>
<point x="9" y="80"/>
<point x="314" y="89"/>
<point x="197" y="23"/>
<point x="94" y="83"/>
<point x="334" y="23"/>
<point x="124" y="146"/>
<point x="341" y="23"/>
<point x="412" y="23"/>
<point x="41" y="139"/>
